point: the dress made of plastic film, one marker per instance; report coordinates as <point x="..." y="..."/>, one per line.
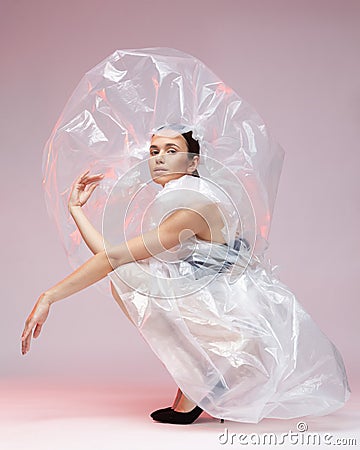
<point x="233" y="337"/>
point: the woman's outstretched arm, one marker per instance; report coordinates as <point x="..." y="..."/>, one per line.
<point x="178" y="227"/>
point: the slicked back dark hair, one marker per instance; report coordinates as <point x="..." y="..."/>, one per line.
<point x="193" y="148"/>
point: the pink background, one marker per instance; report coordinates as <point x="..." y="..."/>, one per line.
<point x="297" y="63"/>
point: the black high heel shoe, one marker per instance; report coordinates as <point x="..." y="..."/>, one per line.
<point x="154" y="414"/>
<point x="180" y="418"/>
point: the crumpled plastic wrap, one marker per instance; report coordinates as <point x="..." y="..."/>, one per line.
<point x="233" y="337"/>
<point x="241" y="350"/>
<point x="107" y="124"/>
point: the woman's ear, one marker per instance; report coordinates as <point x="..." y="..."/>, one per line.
<point x="193" y="164"/>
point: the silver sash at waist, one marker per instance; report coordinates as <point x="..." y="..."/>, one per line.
<point x="209" y="258"/>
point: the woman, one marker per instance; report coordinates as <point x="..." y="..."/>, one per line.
<point x="169" y="161"/>
<point x="240" y="350"/>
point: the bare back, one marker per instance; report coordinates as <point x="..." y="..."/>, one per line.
<point x="214" y="224"/>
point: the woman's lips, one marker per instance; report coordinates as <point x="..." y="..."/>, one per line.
<point x="160" y="170"/>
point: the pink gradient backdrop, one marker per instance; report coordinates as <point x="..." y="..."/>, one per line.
<point x="297" y="63"/>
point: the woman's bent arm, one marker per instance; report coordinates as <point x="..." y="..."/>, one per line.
<point x="92" y="238"/>
<point x="178" y="227"/>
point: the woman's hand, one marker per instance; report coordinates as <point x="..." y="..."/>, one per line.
<point x="36" y="319"/>
<point x="82" y="188"/>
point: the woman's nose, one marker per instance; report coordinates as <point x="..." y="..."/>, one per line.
<point x="159" y="157"/>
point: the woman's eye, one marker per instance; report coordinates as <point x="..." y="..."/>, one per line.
<point x="169" y="150"/>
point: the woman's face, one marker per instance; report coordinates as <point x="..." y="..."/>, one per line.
<point x="169" y="157"/>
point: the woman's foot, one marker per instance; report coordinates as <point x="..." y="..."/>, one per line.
<point x="179" y="418"/>
<point x="184" y="405"/>
<point x="183" y="411"/>
<point x="175" y="402"/>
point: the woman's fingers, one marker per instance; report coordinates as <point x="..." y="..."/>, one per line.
<point x="78" y="180"/>
<point x="26" y="345"/>
<point x="26" y="338"/>
<point x="37" y="330"/>
<point x="83" y="187"/>
<point x="84" y="178"/>
<point x="27" y="329"/>
<point x="92" y="187"/>
<point x="92" y="178"/>
<point x="23" y="347"/>
<point x="90" y="183"/>
<point x="87" y="191"/>
<point x="36" y="319"/>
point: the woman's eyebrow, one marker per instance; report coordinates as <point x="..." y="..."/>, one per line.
<point x="166" y="145"/>
<point x="155" y="147"/>
<point x="172" y="145"/>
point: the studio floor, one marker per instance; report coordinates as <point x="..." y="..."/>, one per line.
<point x="60" y="415"/>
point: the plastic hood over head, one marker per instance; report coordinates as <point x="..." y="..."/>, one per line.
<point x="107" y="125"/>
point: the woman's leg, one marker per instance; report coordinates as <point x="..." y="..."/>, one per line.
<point x="177" y="398"/>
<point x="180" y="402"/>
<point x="119" y="301"/>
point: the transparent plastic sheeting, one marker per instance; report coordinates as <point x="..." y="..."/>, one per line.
<point x="241" y="350"/>
<point x="233" y="337"/>
<point x="107" y="125"/>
